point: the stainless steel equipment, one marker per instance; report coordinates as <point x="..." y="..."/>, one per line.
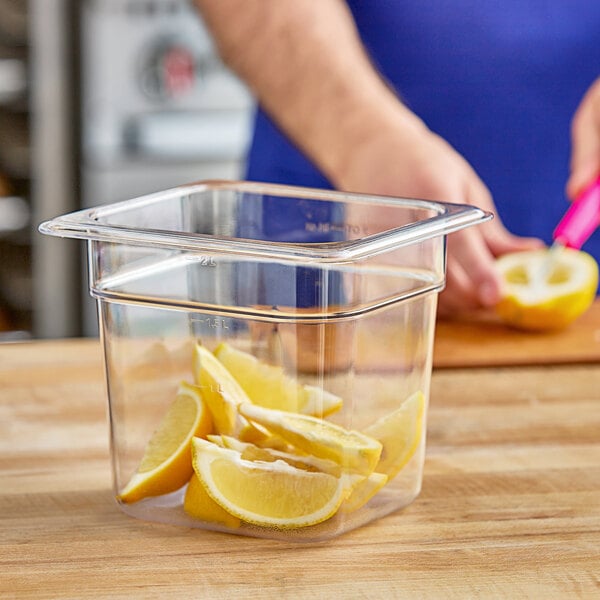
<point x="158" y="106"/>
<point x="153" y="107"/>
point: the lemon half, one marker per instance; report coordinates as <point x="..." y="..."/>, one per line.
<point x="546" y="289"/>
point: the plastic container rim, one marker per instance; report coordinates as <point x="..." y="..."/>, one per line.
<point x="84" y="224"/>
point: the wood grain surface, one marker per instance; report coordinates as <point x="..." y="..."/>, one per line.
<point x="483" y="341"/>
<point x="510" y="506"/>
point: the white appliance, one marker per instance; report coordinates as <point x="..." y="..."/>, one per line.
<point x="153" y="107"/>
<point x="158" y="106"/>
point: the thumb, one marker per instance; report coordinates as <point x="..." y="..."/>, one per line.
<point x="585" y="135"/>
<point x="582" y="175"/>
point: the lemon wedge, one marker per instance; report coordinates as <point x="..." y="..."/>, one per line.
<point x="363" y="491"/>
<point x="270" y="494"/>
<point x="545" y="290"/>
<point x="249" y="451"/>
<point x="269" y="386"/>
<point x="199" y="505"/>
<point x="223" y="394"/>
<point x="399" y="434"/>
<point x="352" y="450"/>
<point x="166" y="464"/>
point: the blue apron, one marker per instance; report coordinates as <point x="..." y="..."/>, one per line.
<point x="500" y="80"/>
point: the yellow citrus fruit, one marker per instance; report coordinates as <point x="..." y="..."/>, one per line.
<point x="167" y="463"/>
<point x="269" y="386"/>
<point x="223" y="394"/>
<point x="352" y="450"/>
<point x="546" y="289"/>
<point x="249" y="451"/>
<point x="199" y="505"/>
<point x="399" y="433"/>
<point x="270" y="494"/>
<point x="363" y="491"/>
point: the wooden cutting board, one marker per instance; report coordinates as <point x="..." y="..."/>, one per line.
<point x="484" y="341"/>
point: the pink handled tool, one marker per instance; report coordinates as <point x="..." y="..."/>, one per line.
<point x="582" y="218"/>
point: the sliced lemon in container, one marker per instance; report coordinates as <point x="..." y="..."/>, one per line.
<point x="166" y="464"/>
<point x="269" y="386"/>
<point x="352" y="450"/>
<point x="399" y="433"/>
<point x="249" y="451"/>
<point x="363" y="491"/>
<point x="199" y="505"/>
<point x="223" y="394"/>
<point x="546" y="289"/>
<point x="270" y="494"/>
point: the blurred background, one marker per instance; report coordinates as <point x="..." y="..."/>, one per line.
<point x="100" y="100"/>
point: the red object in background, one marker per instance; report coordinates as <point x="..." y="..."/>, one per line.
<point x="179" y="71"/>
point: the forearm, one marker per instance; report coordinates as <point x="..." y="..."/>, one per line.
<point x="306" y="65"/>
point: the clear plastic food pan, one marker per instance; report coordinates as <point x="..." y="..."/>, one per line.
<point x="268" y="351"/>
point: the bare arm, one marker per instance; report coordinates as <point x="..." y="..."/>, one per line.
<point x="308" y="68"/>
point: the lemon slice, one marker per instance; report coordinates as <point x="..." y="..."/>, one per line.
<point x="199" y="505"/>
<point x="363" y="491"/>
<point x="167" y="463"/>
<point x="249" y="451"/>
<point x="270" y="494"/>
<point x="223" y="394"/>
<point x="400" y="434"/>
<point x="268" y="385"/>
<point x="545" y="289"/>
<point x="352" y="450"/>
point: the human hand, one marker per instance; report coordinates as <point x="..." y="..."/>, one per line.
<point x="585" y="136"/>
<point x="414" y="162"/>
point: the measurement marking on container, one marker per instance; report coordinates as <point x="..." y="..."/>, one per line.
<point x="325" y="227"/>
<point x="212" y="322"/>
<point x="206" y="261"/>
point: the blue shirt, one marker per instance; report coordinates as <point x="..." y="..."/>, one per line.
<point x="499" y="79"/>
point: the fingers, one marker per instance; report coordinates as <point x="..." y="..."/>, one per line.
<point x="469" y="249"/>
<point x="496" y="236"/>
<point x="500" y="241"/>
<point x="585" y="133"/>
<point x="472" y="279"/>
<point x="459" y="295"/>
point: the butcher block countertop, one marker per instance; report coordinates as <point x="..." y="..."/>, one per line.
<point x="510" y="506"/>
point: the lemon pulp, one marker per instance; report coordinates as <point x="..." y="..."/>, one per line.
<point x="544" y="289"/>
